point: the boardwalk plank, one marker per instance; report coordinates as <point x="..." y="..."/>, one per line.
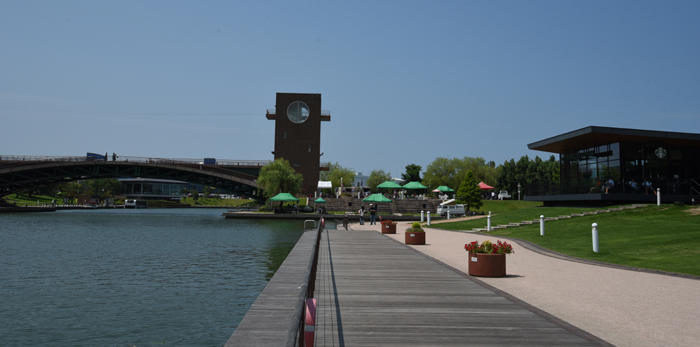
<point x="373" y="291"/>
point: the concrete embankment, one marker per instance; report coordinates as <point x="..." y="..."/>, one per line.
<point x="303" y="216"/>
<point x="18" y="209"/>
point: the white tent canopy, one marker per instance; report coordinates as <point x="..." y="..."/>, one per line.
<point x="324" y="184"/>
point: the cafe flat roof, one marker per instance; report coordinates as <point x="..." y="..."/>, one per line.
<point x="593" y="136"/>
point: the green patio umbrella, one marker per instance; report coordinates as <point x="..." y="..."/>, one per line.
<point x="376" y="198"/>
<point x="284" y="197"/>
<point x="319" y="201"/>
<point x="414" y="185"/>
<point x="445" y="189"/>
<point x="390" y="185"/>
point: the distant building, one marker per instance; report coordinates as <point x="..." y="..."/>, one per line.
<point x="399" y="181"/>
<point x="591" y="156"/>
<point x="360" y="180"/>
<point x="152" y="189"/>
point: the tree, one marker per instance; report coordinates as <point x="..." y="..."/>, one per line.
<point x="279" y="177"/>
<point x="336" y="172"/>
<point x="206" y="191"/>
<point x="377" y="177"/>
<point x="469" y="192"/>
<point x="412" y="173"/>
<point x="195" y="194"/>
<point x="535" y="174"/>
<point x="450" y="172"/>
<point x="441" y="172"/>
<point x="72" y="189"/>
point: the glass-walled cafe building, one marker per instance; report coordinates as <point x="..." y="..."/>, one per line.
<point x="637" y="161"/>
<point x="152" y="189"/>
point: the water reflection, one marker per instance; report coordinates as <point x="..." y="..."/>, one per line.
<point x="116" y="277"/>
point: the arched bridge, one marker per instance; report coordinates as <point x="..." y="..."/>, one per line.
<point x="20" y="173"/>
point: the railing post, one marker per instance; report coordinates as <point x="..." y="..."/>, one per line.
<point x="541" y="225"/>
<point x="595" y="237"/>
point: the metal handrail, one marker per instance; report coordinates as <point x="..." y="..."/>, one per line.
<point x="295" y="337"/>
<point x="693" y="188"/>
<point x="45" y="158"/>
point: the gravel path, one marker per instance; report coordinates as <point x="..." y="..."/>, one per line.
<point x="623" y="307"/>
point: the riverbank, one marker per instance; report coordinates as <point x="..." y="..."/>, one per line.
<point x="18" y="209"/>
<point x="303" y="216"/>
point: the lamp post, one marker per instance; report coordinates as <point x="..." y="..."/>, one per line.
<point x="518" y="190"/>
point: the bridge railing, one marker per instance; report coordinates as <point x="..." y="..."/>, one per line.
<point x="133" y="159"/>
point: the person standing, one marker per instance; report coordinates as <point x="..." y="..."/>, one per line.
<point x="372" y="214"/>
<point x="361" y="212"/>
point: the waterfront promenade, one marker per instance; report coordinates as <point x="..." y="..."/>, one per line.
<point x="374" y="291"/>
<point x="619" y="305"/>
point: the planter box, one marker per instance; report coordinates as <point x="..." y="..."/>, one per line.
<point x="415" y="237"/>
<point x="389" y="229"/>
<point x="487" y="265"/>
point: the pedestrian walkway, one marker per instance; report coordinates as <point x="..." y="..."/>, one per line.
<point x="374" y="291"/>
<point x="621" y="306"/>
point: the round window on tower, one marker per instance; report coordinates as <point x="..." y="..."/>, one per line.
<point x="298" y="112"/>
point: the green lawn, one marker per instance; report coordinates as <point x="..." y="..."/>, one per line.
<point x="219" y="202"/>
<point x="506" y="212"/>
<point x="663" y="238"/>
<point x="23" y="199"/>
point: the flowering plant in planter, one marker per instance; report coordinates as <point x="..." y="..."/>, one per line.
<point x="500" y="247"/>
<point x="388" y="222"/>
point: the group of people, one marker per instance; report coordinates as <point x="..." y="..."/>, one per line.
<point x="372" y="214"/>
<point x="114" y="156"/>
<point x="646" y="184"/>
<point x="610" y="184"/>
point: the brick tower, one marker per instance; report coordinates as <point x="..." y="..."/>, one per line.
<point x="298" y="120"/>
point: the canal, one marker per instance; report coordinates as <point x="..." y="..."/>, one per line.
<point x="181" y="277"/>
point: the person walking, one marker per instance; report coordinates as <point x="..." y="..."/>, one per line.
<point x="372" y="214"/>
<point x="361" y="212"/>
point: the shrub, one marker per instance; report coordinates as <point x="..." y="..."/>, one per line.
<point x="415" y="227"/>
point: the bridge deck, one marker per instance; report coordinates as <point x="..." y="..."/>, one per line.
<point x="373" y="291"/>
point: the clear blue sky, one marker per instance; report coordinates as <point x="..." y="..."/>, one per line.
<point x="405" y="81"/>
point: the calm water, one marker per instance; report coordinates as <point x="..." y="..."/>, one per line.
<point x="182" y="277"/>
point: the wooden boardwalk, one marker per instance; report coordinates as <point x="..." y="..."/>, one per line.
<point x="374" y="291"/>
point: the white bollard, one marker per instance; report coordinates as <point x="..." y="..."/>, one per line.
<point x="595" y="237"/>
<point x="658" y="196"/>
<point x="448" y="214"/>
<point x="488" y="225"/>
<point x="421" y="216"/>
<point x="428" y="217"/>
<point x="541" y="225"/>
